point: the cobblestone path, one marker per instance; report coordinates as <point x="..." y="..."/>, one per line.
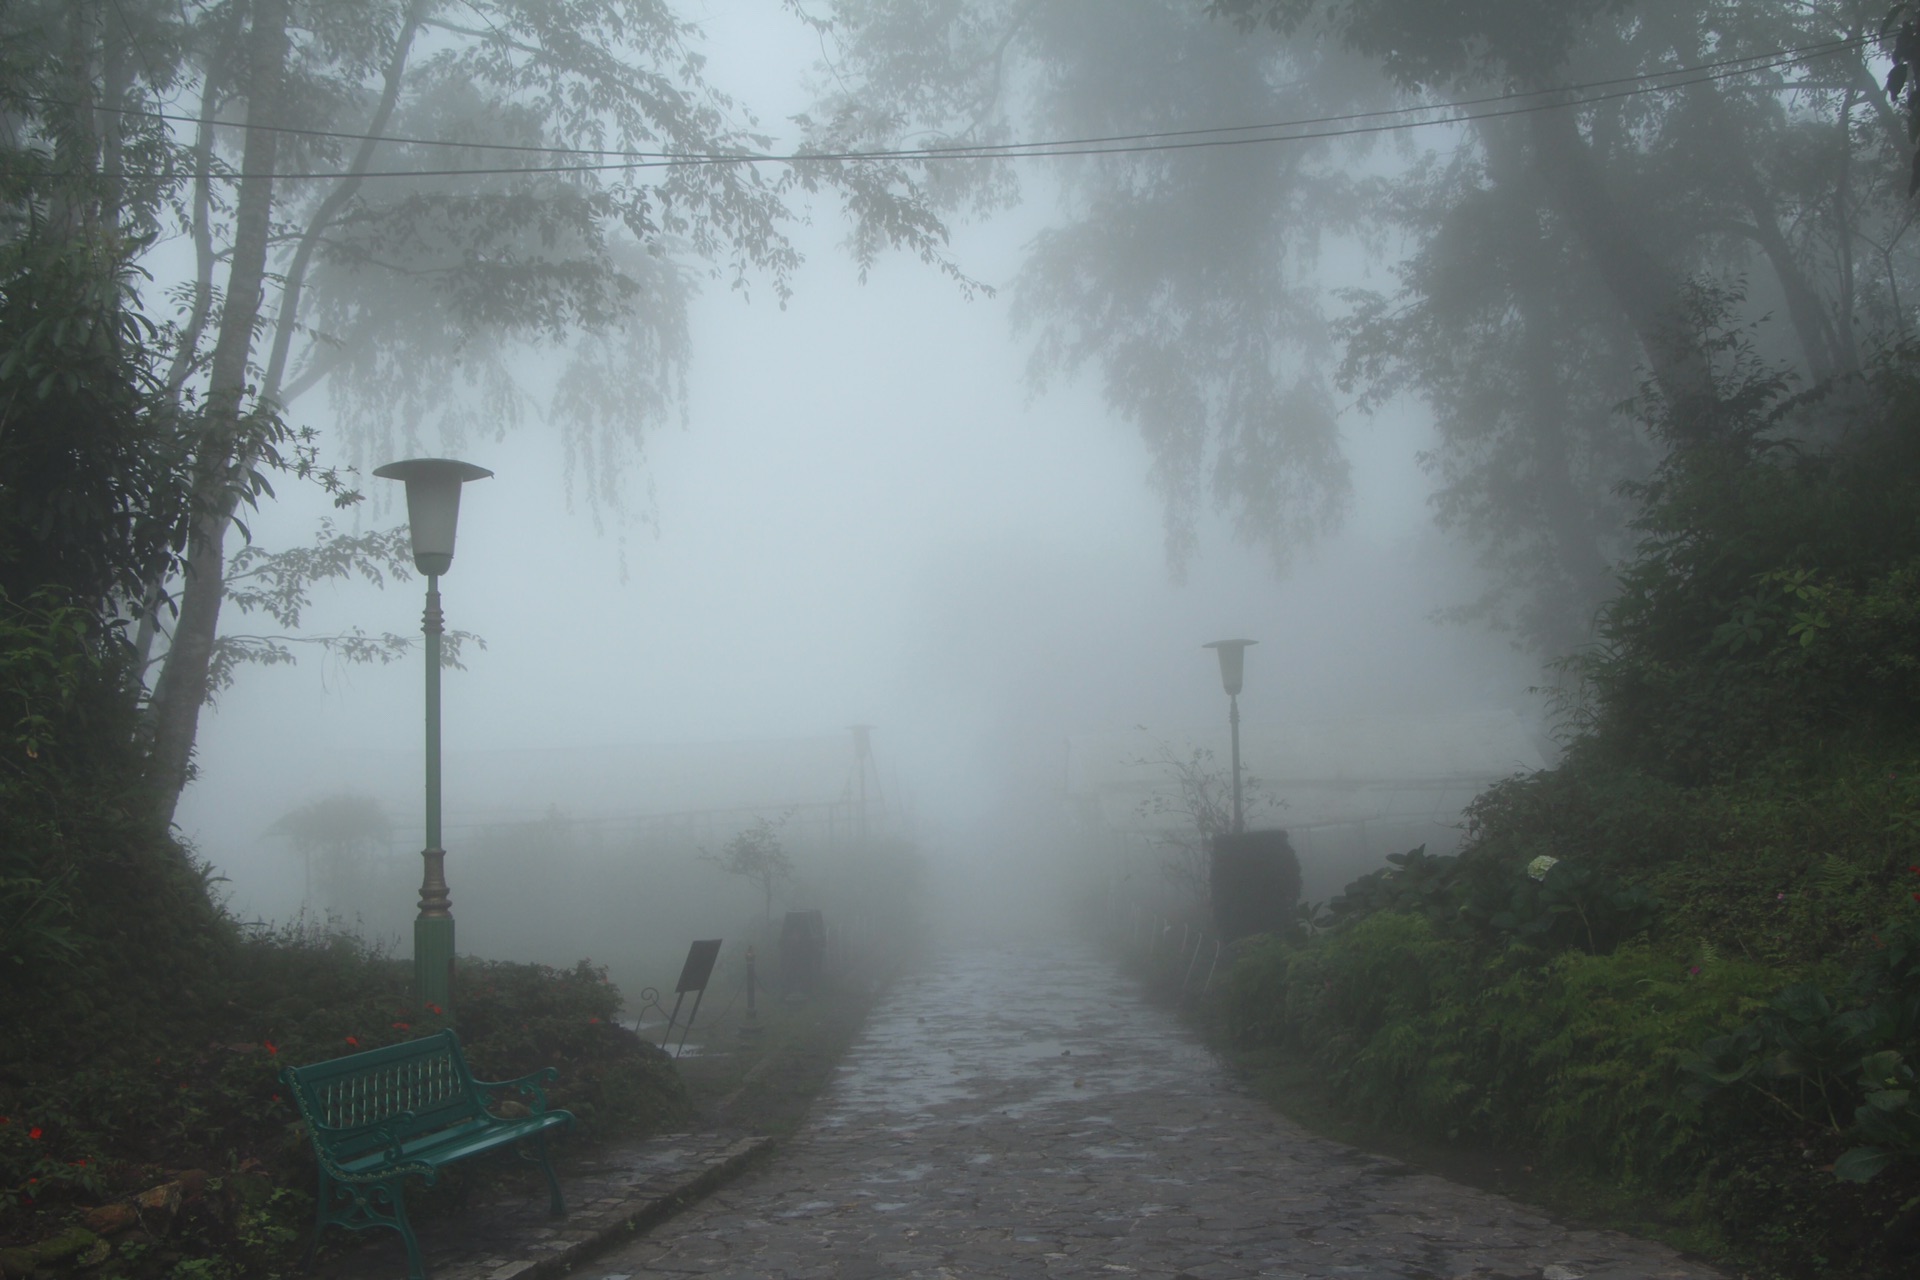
<point x="1018" y="1110"/>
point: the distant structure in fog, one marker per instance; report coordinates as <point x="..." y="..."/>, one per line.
<point x="863" y="769"/>
<point x="1352" y="791"/>
<point x="699" y="790"/>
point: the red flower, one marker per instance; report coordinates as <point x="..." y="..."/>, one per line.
<point x="592" y="1021"/>
<point x="433" y="1008"/>
<point x="402" y="1026"/>
<point x="353" y="1041"/>
<point x="35" y="1133"/>
<point x="276" y="1097"/>
<point x="271" y="1051"/>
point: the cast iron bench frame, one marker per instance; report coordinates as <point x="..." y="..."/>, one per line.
<point x="379" y="1117"/>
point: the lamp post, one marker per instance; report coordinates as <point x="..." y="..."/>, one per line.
<point x="862" y="757"/>
<point x="1232" y="655"/>
<point x="433" y="510"/>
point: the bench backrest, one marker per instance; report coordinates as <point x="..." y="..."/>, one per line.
<point x="427" y="1078"/>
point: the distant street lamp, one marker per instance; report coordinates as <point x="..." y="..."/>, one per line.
<point x="1232" y="663"/>
<point x="433" y="509"/>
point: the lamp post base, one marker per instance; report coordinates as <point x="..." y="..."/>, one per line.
<point x="433" y="962"/>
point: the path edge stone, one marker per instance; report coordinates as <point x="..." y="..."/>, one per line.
<point x="609" y="1225"/>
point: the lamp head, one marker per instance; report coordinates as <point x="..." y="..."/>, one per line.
<point x="1232" y="662"/>
<point x="433" y="506"/>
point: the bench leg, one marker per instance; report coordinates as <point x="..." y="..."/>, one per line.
<point x="556" y="1205"/>
<point x="416" y="1270"/>
<point x="380" y="1204"/>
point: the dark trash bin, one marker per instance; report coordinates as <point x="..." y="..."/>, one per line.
<point x="803" y="950"/>
<point x="1254" y="880"/>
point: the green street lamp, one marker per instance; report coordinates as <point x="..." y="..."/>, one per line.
<point x="433" y="510"/>
<point x="1233" y="655"/>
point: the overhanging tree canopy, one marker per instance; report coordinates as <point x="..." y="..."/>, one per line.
<point x="1632" y="179"/>
<point x="388" y="199"/>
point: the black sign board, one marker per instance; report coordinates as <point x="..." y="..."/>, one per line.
<point x="1255" y="881"/>
<point x="699" y="966"/>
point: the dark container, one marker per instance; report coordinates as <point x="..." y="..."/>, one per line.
<point x="1254" y="877"/>
<point x="803" y="950"/>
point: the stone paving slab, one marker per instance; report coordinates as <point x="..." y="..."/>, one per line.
<point x="1019" y="1111"/>
<point x="612" y="1193"/>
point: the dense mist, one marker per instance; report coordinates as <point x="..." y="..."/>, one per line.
<point x="980" y="452"/>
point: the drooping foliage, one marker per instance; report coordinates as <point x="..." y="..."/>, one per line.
<point x="91" y="461"/>
<point x="1538" y="261"/>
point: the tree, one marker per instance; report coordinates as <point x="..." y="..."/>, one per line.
<point x="755" y="855"/>
<point x="93" y="496"/>
<point x="338" y="835"/>
<point x="1544" y="258"/>
<point x="1201" y="803"/>
<point x="387" y="199"/>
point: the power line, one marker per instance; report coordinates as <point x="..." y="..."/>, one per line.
<point x="1115" y="144"/>
<point x="1741" y="66"/>
<point x="1036" y="150"/>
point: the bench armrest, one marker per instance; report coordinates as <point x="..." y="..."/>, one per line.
<point x="528" y="1086"/>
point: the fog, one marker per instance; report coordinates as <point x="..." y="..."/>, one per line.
<point x="866" y="517"/>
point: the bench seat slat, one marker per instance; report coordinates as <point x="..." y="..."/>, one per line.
<point x="448" y="1145"/>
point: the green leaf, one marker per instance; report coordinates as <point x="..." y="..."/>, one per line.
<point x="1861" y="1163"/>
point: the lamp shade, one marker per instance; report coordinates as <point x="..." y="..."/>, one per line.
<point x="1232" y="661"/>
<point x="433" y="505"/>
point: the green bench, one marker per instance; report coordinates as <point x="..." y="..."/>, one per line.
<point x="380" y="1117"/>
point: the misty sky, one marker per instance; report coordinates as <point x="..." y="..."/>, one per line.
<point x="865" y="518"/>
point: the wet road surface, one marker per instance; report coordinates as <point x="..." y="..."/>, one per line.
<point x="1019" y="1110"/>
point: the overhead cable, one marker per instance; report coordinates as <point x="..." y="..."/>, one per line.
<point x="1387" y="120"/>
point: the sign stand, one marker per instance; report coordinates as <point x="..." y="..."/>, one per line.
<point x="694" y="976"/>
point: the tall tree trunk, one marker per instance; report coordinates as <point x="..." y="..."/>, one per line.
<point x="1827" y="354"/>
<point x="287" y="318"/>
<point x="1646" y="291"/>
<point x="186" y="355"/>
<point x="1563" y="508"/>
<point x="182" y="688"/>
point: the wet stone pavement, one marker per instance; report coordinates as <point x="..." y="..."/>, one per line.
<point x="1019" y="1110"/>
